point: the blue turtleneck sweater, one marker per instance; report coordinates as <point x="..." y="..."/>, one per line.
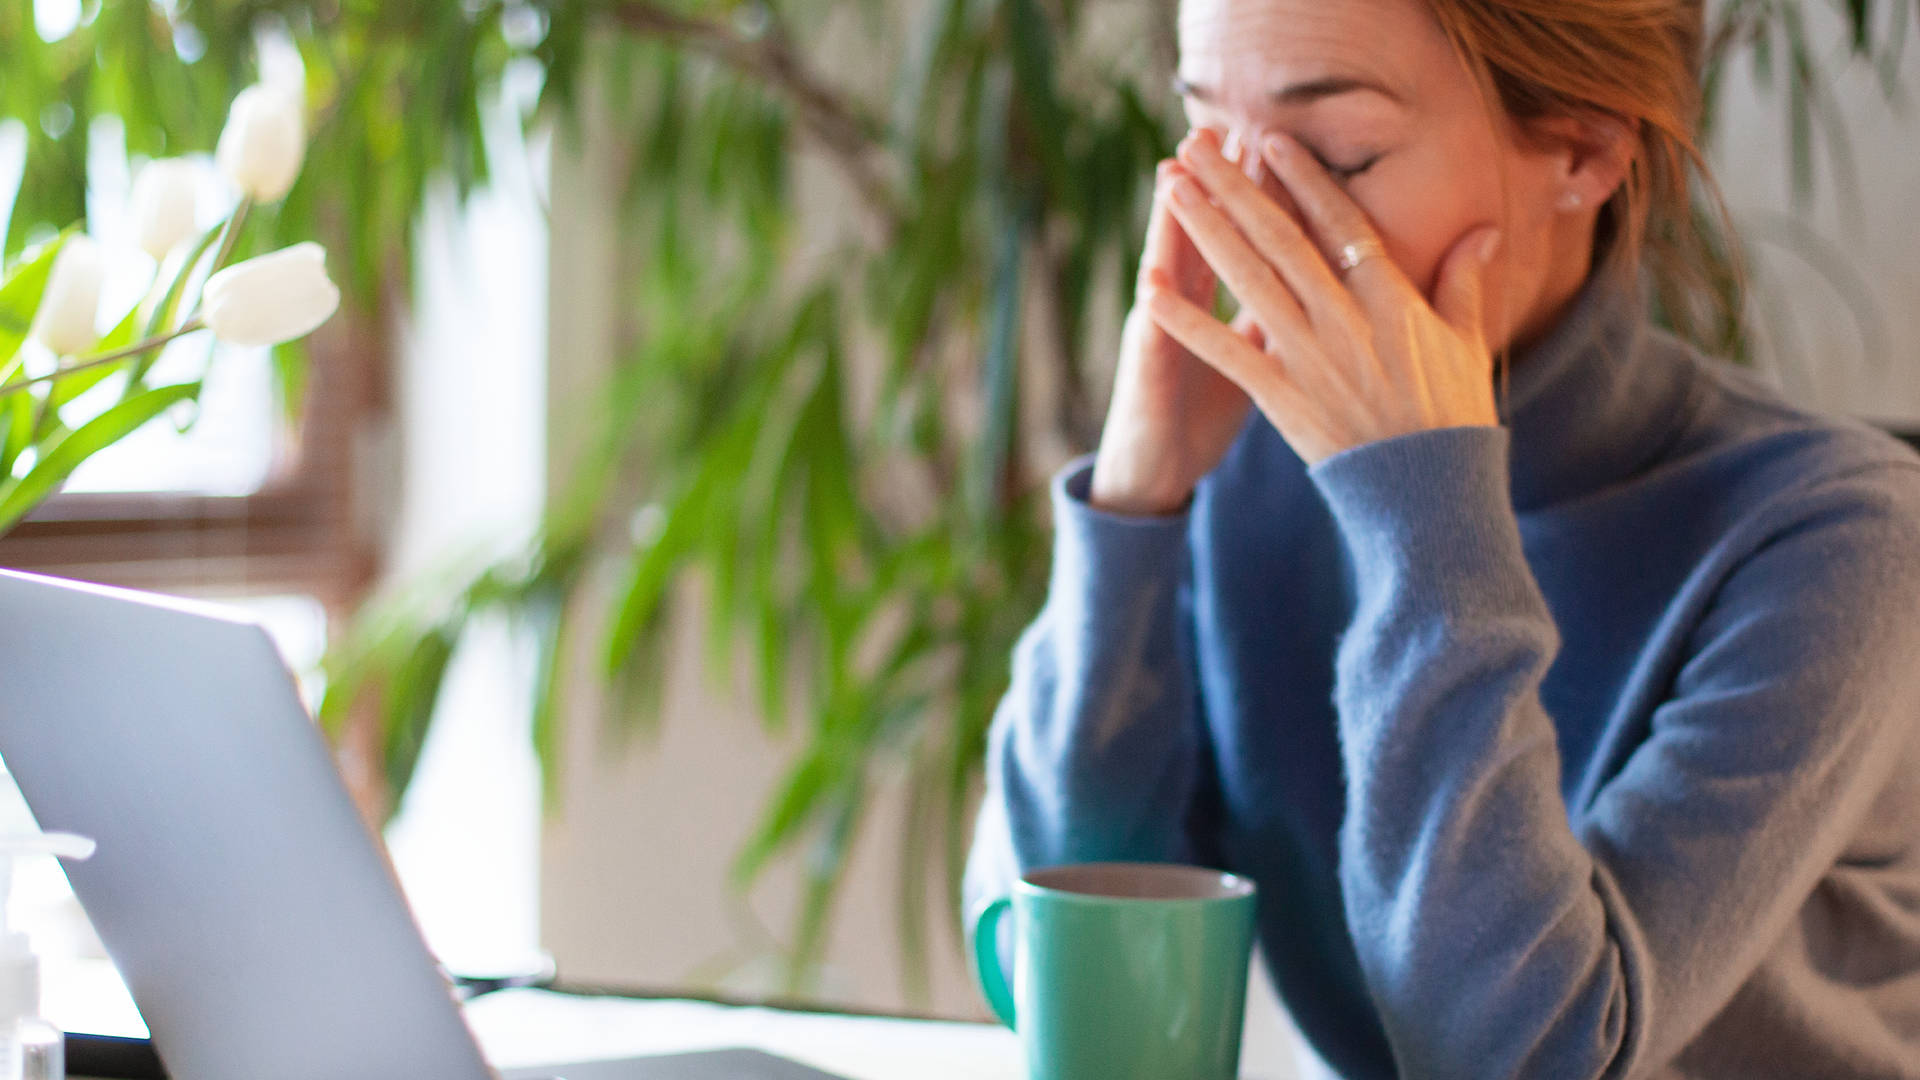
<point x="1584" y="746"/>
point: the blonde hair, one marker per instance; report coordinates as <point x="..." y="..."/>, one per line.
<point x="1637" y="62"/>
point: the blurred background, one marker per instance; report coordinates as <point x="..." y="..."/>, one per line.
<point x="651" y="526"/>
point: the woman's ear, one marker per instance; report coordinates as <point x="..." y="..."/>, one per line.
<point x="1595" y="152"/>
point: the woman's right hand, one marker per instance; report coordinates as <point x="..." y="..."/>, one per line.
<point x="1173" y="416"/>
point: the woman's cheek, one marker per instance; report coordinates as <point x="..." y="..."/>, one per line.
<point x="1401" y="227"/>
<point x="1417" y="217"/>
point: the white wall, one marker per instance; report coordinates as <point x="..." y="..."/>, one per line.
<point x="1849" y="343"/>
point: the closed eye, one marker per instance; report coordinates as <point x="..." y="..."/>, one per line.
<point x="1344" y="174"/>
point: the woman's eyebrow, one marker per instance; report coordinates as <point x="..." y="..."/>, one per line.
<point x="1300" y="93"/>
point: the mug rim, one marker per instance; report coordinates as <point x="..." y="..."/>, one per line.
<point x="1232" y="886"/>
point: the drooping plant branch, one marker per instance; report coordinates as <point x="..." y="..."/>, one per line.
<point x="769" y="56"/>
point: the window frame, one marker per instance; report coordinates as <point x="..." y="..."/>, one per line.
<point x="306" y="530"/>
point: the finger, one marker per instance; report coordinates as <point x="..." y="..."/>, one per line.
<point x="1272" y="231"/>
<point x="1253" y="371"/>
<point x="1248" y="327"/>
<point x="1256" y="169"/>
<point x="1246" y="274"/>
<point x="1275" y="191"/>
<point x="1244" y="155"/>
<point x="1333" y="219"/>
<point x="1459" y="292"/>
<point x="1234" y="149"/>
<point x="1167" y="247"/>
<point x="1216" y="343"/>
<point x="1242" y="323"/>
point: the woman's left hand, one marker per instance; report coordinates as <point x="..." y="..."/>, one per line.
<point x="1350" y="360"/>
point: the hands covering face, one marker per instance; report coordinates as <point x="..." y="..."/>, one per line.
<point x="1348" y="351"/>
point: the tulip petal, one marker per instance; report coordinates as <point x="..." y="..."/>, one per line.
<point x="70" y="307"/>
<point x="270" y="299"/>
<point x="264" y="142"/>
<point x="162" y="206"/>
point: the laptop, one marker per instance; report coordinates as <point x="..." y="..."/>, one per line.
<point x="256" y="923"/>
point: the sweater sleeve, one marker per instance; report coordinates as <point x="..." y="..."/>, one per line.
<point x="1093" y="753"/>
<point x="1497" y="937"/>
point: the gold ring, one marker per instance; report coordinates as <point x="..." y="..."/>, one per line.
<point x="1357" y="252"/>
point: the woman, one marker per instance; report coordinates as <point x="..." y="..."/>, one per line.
<point x="1563" y="708"/>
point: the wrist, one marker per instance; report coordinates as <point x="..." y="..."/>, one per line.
<point x="1114" y="489"/>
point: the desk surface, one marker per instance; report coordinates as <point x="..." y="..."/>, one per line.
<point x="532" y="1027"/>
<point x="537" y="1027"/>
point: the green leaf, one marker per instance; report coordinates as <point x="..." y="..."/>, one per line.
<point x="806" y="784"/>
<point x="650" y="574"/>
<point x="20" y="297"/>
<point x="410" y="699"/>
<point x="999" y="374"/>
<point x="553" y="653"/>
<point x="1032" y="46"/>
<point x="168" y="306"/>
<point x="58" y="460"/>
<point x="1894" y="51"/>
<point x="16" y="431"/>
<point x="69" y="388"/>
<point x="291" y="360"/>
<point x="1800" y="90"/>
<point x="1860" y="23"/>
<point x="826" y="873"/>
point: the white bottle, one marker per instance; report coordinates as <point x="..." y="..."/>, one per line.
<point x="30" y="1047"/>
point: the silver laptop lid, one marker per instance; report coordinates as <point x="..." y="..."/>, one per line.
<point x="259" y="929"/>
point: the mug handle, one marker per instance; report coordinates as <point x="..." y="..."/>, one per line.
<point x="986" y="958"/>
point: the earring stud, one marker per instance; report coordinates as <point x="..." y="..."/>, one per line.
<point x="1572" y="200"/>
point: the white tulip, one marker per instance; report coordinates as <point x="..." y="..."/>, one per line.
<point x="264" y="141"/>
<point x="270" y="299"/>
<point x="71" y="304"/>
<point x="162" y="206"/>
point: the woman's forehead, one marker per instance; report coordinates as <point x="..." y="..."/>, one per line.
<point x="1240" y="47"/>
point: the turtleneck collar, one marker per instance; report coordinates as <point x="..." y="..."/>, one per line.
<point x="1591" y="402"/>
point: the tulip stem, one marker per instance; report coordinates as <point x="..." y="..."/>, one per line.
<point x="163" y="310"/>
<point x="232" y="235"/>
<point x="191" y="326"/>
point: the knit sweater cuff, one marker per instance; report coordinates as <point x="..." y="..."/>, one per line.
<point x="1104" y="561"/>
<point x="1430" y="515"/>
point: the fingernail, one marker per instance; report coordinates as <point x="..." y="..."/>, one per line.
<point x="1230" y="149"/>
<point x="1489" y="245"/>
<point x="1186" y="192"/>
<point x="1249" y="159"/>
<point x="1276" y="149"/>
<point x="1199" y="139"/>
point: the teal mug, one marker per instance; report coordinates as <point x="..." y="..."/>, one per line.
<point x="1122" y="971"/>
